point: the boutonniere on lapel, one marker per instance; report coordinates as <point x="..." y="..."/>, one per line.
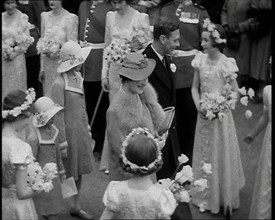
<point x="173" y="67"/>
<point x="23" y="2"/>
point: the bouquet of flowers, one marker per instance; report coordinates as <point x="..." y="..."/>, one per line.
<point x="40" y="179"/>
<point x="48" y="47"/>
<point x="11" y="46"/>
<point x="117" y="50"/>
<point x="215" y="105"/>
<point x="181" y="181"/>
<point x="142" y="36"/>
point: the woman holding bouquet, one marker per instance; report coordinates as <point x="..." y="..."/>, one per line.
<point x="15" y="41"/>
<point x="57" y="27"/>
<point x="122" y="25"/>
<point x="17" y="203"/>
<point x="216" y="144"/>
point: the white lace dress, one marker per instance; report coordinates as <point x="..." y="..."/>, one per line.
<point x="216" y="143"/>
<point x="14" y="151"/>
<point x="131" y="203"/>
<point x="261" y="200"/>
<point x="63" y="29"/>
<point x="14" y="74"/>
<point x="111" y="31"/>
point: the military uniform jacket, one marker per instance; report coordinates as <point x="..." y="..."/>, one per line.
<point x="190" y="19"/>
<point x="92" y="21"/>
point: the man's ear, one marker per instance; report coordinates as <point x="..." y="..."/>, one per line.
<point x="162" y="39"/>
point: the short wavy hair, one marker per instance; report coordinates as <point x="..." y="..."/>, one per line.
<point x="165" y="27"/>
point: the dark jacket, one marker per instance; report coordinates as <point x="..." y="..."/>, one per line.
<point x="163" y="80"/>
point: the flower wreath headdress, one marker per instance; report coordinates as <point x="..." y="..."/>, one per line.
<point x="213" y="31"/>
<point x="133" y="166"/>
<point x="19" y="109"/>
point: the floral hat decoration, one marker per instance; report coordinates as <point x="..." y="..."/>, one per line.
<point x="72" y="55"/>
<point x="30" y="97"/>
<point x="211" y="27"/>
<point x="137" y="66"/>
<point x="133" y="166"/>
<point x="45" y="109"/>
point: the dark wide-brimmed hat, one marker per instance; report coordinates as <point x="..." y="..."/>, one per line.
<point x="136" y="66"/>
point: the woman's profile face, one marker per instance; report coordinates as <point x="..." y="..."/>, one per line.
<point x="206" y="41"/>
<point x="10" y="6"/>
<point x="136" y="87"/>
<point x="119" y="5"/>
<point x="23" y="121"/>
<point x="55" y="4"/>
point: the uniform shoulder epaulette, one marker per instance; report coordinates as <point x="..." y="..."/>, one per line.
<point x="199" y="6"/>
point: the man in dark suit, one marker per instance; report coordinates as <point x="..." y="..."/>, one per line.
<point x="166" y="39"/>
<point x="33" y="9"/>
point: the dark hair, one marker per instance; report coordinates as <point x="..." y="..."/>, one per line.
<point x="14" y="99"/>
<point x="222" y="33"/>
<point x="124" y="79"/>
<point x="163" y="26"/>
<point x="142" y="151"/>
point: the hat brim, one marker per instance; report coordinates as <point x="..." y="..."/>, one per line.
<point x="66" y="65"/>
<point x="138" y="74"/>
<point x="37" y="122"/>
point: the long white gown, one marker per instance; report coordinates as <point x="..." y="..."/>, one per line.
<point x="261" y="199"/>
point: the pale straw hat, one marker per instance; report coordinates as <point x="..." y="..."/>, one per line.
<point x="136" y="66"/>
<point x="72" y="55"/>
<point x="45" y="109"/>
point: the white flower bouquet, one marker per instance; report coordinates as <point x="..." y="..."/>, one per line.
<point x="142" y="36"/>
<point x="214" y="105"/>
<point x="49" y="47"/>
<point x="14" y="45"/>
<point x="40" y="179"/>
<point x="117" y="50"/>
<point x="181" y="181"/>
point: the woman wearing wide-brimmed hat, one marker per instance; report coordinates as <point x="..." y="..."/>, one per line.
<point x="134" y="105"/>
<point x="67" y="91"/>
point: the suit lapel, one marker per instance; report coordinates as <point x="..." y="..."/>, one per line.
<point x="160" y="71"/>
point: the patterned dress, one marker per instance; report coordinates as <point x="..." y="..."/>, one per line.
<point x="261" y="200"/>
<point x="14" y="74"/>
<point x="14" y="151"/>
<point x="216" y="143"/>
<point x="135" y="203"/>
<point x="63" y="29"/>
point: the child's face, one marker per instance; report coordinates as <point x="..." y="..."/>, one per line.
<point x="78" y="68"/>
<point x="206" y="41"/>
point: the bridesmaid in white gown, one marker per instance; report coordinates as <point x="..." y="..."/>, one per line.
<point x="119" y="23"/>
<point x="60" y="25"/>
<point x="17" y="203"/>
<point x="261" y="199"/>
<point x="14" y="23"/>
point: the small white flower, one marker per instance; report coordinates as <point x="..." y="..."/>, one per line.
<point x="165" y="183"/>
<point x="251" y="93"/>
<point x="244" y="100"/>
<point x="182" y="196"/>
<point x="202" y="206"/>
<point x="242" y="91"/>
<point x="182" y="159"/>
<point x="248" y="114"/>
<point x="201" y="184"/>
<point x="186" y="174"/>
<point x="207" y="168"/>
<point x="221" y="116"/>
<point x="173" y="67"/>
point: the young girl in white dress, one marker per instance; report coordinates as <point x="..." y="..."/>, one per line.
<point x="138" y="197"/>
<point x="216" y="141"/>
<point x="17" y="203"/>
